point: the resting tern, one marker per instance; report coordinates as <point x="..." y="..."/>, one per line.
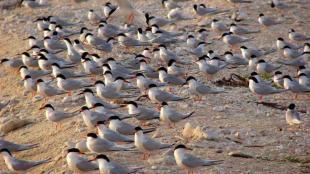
<point x="78" y="162"/>
<point x="56" y="116"/>
<point x="140" y="112"/>
<point x="111" y="167"/>
<point x="158" y="96"/>
<point x="17" y="165"/>
<point x="292" y="115"/>
<point x="111" y="135"/>
<point x="116" y="124"/>
<point x="262" y="89"/>
<point x="171" y="116"/>
<point x="147" y="145"/>
<point x="13" y="147"/>
<point x="190" y="162"/>
<point x="99" y="145"/>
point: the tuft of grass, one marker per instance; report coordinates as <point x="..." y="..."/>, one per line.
<point x="266" y="76"/>
<point x="295" y="159"/>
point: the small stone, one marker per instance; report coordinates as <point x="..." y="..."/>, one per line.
<point x="219" y="108"/>
<point x="219" y="151"/>
<point x="154" y="167"/>
<point x="13" y="125"/>
<point x="239" y="154"/>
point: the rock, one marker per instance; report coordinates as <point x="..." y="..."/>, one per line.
<point x="239" y="154"/>
<point x="219" y="151"/>
<point x="219" y="108"/>
<point x="13" y="125"/>
<point x="154" y="167"/>
<point x="37" y="98"/>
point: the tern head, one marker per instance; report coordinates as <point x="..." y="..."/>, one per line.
<point x="102" y="156"/>
<point x="215" y="20"/>
<point x="114" y="117"/>
<point x="201" y="44"/>
<point x="302" y="75"/>
<point x="190" y="36"/>
<point x="162" y="69"/>
<point x="42" y="57"/>
<point x="253" y="57"/>
<point x="73" y="150"/>
<point x="202" y="30"/>
<point x="287" y="77"/>
<point x="155" y="50"/>
<point x="40" y="81"/>
<point x="261" y="15"/>
<point x="261" y="61"/>
<point x="100" y="123"/>
<point x="140" y="30"/>
<point x="228" y="53"/>
<point x="253" y="79"/>
<point x="139" y="75"/>
<point x="3" y="60"/>
<point x="87" y="91"/>
<point x="280" y="39"/>
<point x="152" y="86"/>
<point x="132" y="103"/>
<point x="98" y="105"/>
<point x="107" y="73"/>
<point x="142" y="61"/>
<point x="164" y="104"/>
<point x="191" y="78"/>
<point x="47" y="106"/>
<point x="243" y="47"/>
<point x="67" y="40"/>
<point x="60" y="76"/>
<point x="23" y="67"/>
<point x="233" y="24"/>
<point x="171" y="62"/>
<point x="195" y="6"/>
<point x="106" y="66"/>
<point x="76" y="41"/>
<point x="5" y="151"/>
<point x="202" y="58"/>
<point x="26" y="54"/>
<point x="92" y="135"/>
<point x="84" y="108"/>
<point x="162" y="46"/>
<point x="181" y="146"/>
<point x="121" y="35"/>
<point x="83" y="29"/>
<point x="138" y="129"/>
<point x="254" y="73"/>
<point x="99" y="82"/>
<point x="292" y="106"/>
<point x="110" y="59"/>
<point x="291" y="30"/>
<point x="278" y="73"/>
<point x="27" y="77"/>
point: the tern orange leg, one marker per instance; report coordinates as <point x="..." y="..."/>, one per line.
<point x="130" y="18"/>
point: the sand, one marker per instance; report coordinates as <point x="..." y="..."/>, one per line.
<point x="233" y="117"/>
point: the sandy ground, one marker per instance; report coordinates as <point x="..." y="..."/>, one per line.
<point x="225" y="114"/>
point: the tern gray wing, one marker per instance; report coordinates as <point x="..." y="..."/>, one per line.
<point x="22" y="165"/>
<point x="204" y="89"/>
<point x="192" y="161"/>
<point x="150" y="144"/>
<point x="85" y="165"/>
<point x="165" y="96"/>
<point x="13" y="147"/>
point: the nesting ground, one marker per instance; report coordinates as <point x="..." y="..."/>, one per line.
<point x="228" y="116"/>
